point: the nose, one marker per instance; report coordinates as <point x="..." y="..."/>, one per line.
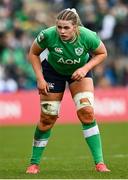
<point x="62" y="31"/>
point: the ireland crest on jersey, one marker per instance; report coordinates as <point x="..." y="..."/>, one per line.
<point x="79" y="51"/>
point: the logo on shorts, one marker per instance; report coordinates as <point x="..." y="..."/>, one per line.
<point x="79" y="51"/>
<point x="58" y="50"/>
<point x="51" y="85"/>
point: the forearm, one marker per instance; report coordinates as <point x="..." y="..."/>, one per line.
<point x="36" y="64"/>
<point x="94" y="61"/>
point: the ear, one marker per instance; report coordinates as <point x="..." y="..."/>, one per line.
<point x="75" y="27"/>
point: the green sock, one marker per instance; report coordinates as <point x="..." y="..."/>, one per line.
<point x="39" y="143"/>
<point x="92" y="136"/>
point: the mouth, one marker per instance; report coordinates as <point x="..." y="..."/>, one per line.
<point x="63" y="37"/>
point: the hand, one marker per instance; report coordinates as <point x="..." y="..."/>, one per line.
<point x="43" y="87"/>
<point x="79" y="74"/>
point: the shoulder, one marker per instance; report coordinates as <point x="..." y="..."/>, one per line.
<point x="45" y="35"/>
<point x="49" y="31"/>
<point x="89" y="37"/>
<point x="86" y="31"/>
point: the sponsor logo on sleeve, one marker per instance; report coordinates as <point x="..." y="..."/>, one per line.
<point x="40" y="37"/>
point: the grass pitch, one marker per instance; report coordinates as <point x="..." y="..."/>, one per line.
<point x="67" y="155"/>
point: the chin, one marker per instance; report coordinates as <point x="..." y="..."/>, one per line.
<point x="64" y="38"/>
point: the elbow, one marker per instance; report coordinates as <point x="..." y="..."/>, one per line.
<point x="105" y="55"/>
<point x="29" y="57"/>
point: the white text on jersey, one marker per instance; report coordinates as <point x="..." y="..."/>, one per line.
<point x="69" y="61"/>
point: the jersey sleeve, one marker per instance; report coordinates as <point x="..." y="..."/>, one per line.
<point x="92" y="39"/>
<point x="41" y="39"/>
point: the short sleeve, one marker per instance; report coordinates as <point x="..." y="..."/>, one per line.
<point x="93" y="40"/>
<point x="42" y="39"/>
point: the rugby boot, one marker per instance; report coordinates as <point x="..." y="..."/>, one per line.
<point x="101" y="167"/>
<point x="33" y="169"/>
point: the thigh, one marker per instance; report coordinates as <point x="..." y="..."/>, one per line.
<point x="55" y="80"/>
<point x="52" y="97"/>
<point x="86" y="84"/>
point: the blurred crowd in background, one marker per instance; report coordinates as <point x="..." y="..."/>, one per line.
<point x="22" y="20"/>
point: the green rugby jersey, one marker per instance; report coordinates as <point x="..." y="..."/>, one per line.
<point x="66" y="56"/>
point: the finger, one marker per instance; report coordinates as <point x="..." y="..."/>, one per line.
<point x="79" y="79"/>
<point x="47" y="88"/>
<point x="46" y="92"/>
<point x="74" y="76"/>
<point x="39" y="91"/>
<point x="43" y="92"/>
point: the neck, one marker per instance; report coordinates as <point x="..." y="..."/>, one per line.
<point x="71" y="40"/>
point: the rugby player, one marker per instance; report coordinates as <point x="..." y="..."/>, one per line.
<point x="69" y="45"/>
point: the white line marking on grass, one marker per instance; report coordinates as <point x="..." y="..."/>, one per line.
<point x="67" y="157"/>
<point x="53" y="158"/>
<point x="120" y="155"/>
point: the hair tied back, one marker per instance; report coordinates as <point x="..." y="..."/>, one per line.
<point x="73" y="10"/>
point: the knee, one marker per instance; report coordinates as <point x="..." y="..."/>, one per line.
<point x="47" y="121"/>
<point x="49" y="114"/>
<point x="84" y="103"/>
<point x="86" y="115"/>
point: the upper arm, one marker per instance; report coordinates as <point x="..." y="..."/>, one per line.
<point x="35" y="49"/>
<point x="39" y="44"/>
<point x="101" y="49"/>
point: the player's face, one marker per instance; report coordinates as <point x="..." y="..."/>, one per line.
<point x="66" y="29"/>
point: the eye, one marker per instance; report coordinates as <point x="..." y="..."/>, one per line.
<point x="59" y="27"/>
<point x="66" y="27"/>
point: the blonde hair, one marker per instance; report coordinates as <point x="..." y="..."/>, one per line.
<point x="70" y="15"/>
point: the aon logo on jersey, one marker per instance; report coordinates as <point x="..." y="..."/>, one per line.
<point x="69" y="61"/>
